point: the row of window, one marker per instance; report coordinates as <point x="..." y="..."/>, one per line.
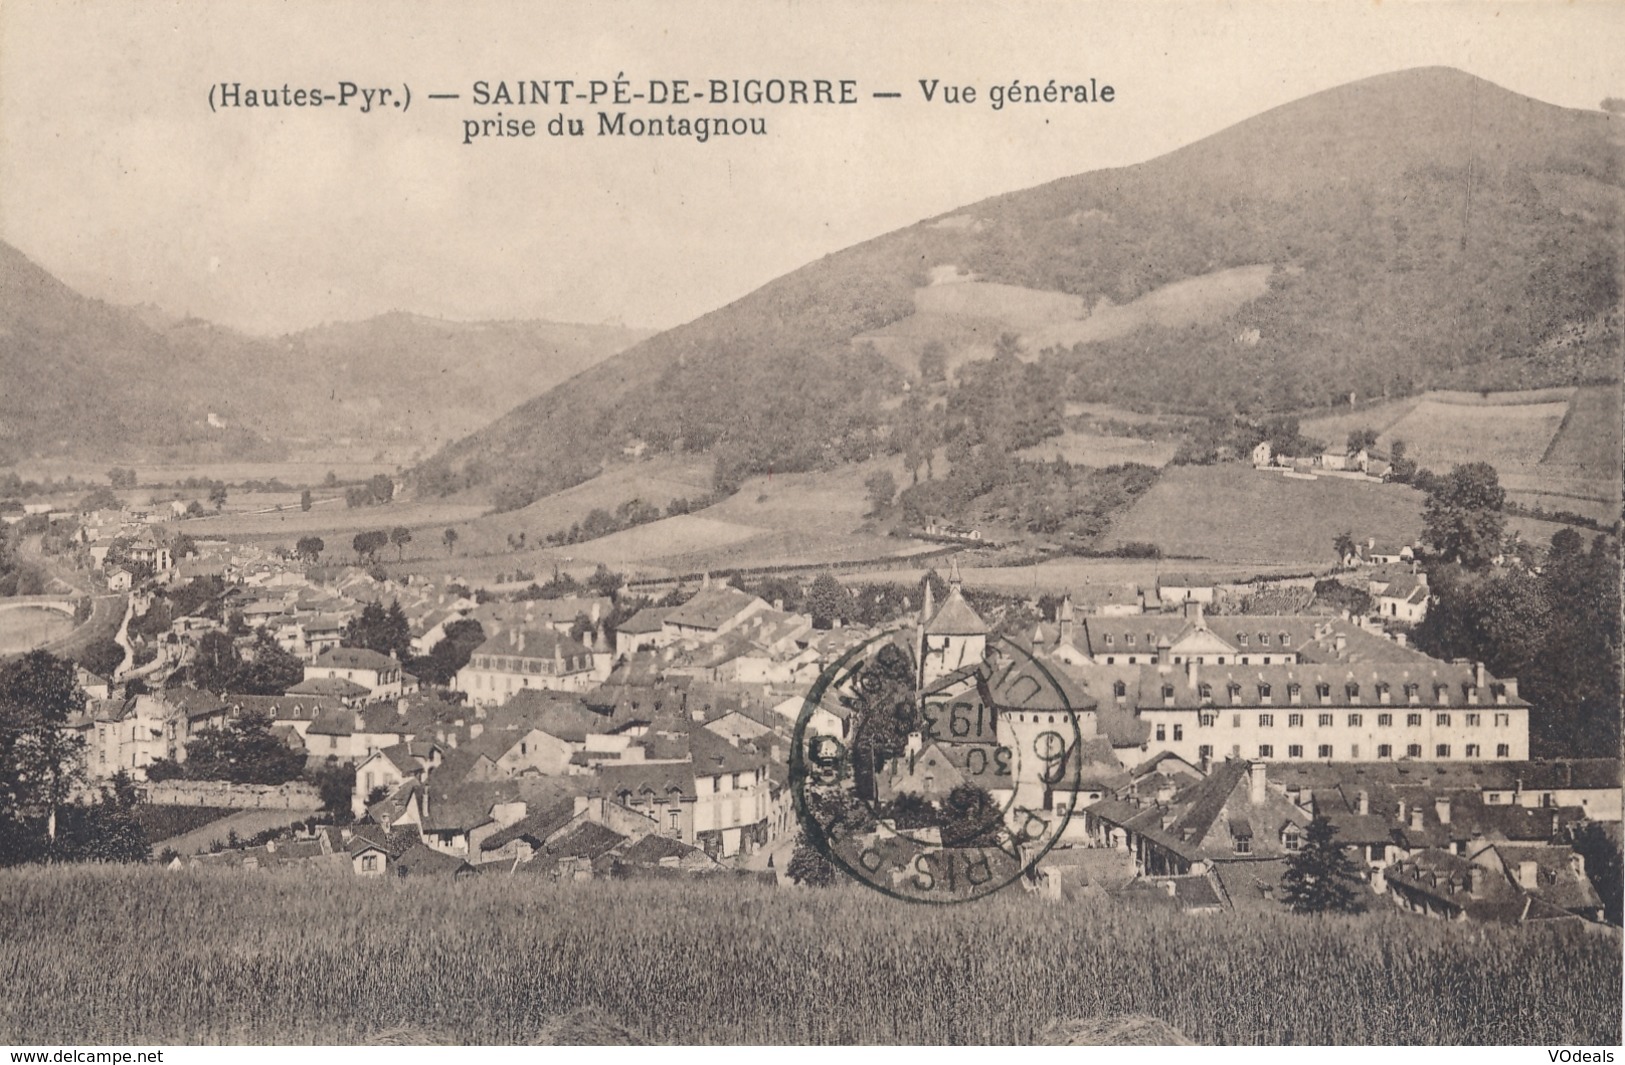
<point x="527" y="665"/>
<point x="1441" y="692"/>
<point x="1241" y="639"/>
<point x="1326" y="751"/>
<point x="1358" y="720"/>
<point x="1245" y="660"/>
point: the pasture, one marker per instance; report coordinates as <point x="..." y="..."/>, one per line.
<point x="333" y="521"/>
<point x="108" y="955"/>
<point x="1234" y="513"/>
<point x="1091" y="449"/>
<point x="25" y="627"/>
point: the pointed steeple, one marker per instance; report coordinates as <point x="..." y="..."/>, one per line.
<point x="954" y="579"/>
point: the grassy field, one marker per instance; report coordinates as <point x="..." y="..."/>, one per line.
<point x="23" y="628"/>
<point x="164" y="474"/>
<point x="1090" y="449"/>
<point x="1070" y="574"/>
<point x="245" y="823"/>
<point x="222" y="956"/>
<point x="336" y="524"/>
<point x="1233" y="513"/>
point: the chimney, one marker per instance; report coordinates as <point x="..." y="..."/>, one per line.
<point x="1362" y="802"/>
<point x="1192" y="672"/>
<point x="1064" y="620"/>
<point x="1416" y="818"/>
<point x="1255" y="783"/>
<point x="1511" y="687"/>
<point x="270" y="846"/>
<point x="916" y="743"/>
<point x="1475" y="881"/>
<point x="1399" y="638"/>
<point x="400" y="707"/>
<point x="1529" y="875"/>
<point x="1402" y="811"/>
<point x="1478" y="674"/>
<point x="1341" y="643"/>
<point x="474" y="730"/>
<point x="1441" y="806"/>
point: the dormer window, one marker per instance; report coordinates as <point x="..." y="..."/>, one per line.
<point x="1128" y="638"/>
<point x="1167" y="694"/>
<point x="1263" y="693"/>
<point x="1499" y="691"/>
<point x="1263" y="639"/>
<point x="1294" y="692"/>
<point x="1108" y="639"/>
<point x="1119" y="689"/>
<point x="1286" y="640"/>
<point x="1324" y="692"/>
<point x="1235" y="693"/>
<point x="1353" y="691"/>
<point x="1413" y="693"/>
<point x="1205" y="692"/>
<point x="1441" y="694"/>
<point x="1241" y="639"/>
<point x="1382" y="692"/>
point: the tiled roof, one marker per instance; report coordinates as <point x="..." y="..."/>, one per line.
<point x="711" y="608"/>
<point x="956" y="618"/>
<point x="354" y="658"/>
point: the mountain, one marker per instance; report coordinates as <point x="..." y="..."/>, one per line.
<point x="89" y="379"/>
<point x="1418" y="229"/>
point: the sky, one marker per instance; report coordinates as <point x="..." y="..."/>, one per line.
<point x="116" y="176"/>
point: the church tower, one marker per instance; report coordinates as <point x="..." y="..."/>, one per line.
<point x="952" y="637"/>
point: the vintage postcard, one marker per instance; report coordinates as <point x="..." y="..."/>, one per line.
<point x="810" y="523"/>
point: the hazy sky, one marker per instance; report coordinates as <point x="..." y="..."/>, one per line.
<point x="115" y="176"/>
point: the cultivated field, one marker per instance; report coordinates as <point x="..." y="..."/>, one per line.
<point x="101" y="955"/>
<point x="1233" y="513"/>
<point x="245" y="823"/>
<point x="1442" y="434"/>
<point x="1071" y="574"/>
<point x="167" y="473"/>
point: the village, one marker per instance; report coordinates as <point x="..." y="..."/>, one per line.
<point x="592" y="733"/>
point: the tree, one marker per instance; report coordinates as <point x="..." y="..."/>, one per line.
<point x="310" y="548"/>
<point x="827" y="601"/>
<point x="1600" y="851"/>
<point x="1346" y="547"/>
<point x="969" y="816"/>
<point x="400" y="536"/>
<point x="335" y="784"/>
<point x="810" y="868"/>
<point x="605" y="581"/>
<point x="449" y="538"/>
<point x="1320" y="877"/>
<point x="885" y="712"/>
<point x="272" y="671"/>
<point x="217" y="495"/>
<point x="244" y="752"/>
<point x="102" y="657"/>
<point x="304" y="499"/>
<point x="215" y="664"/>
<point x="376" y="628"/>
<point x="182" y="546"/>
<point x="40" y="762"/>
<point x="367" y="544"/>
<point x="451" y="653"/>
<point x="881" y="488"/>
<point x="1462" y="518"/>
<point x="1361" y="439"/>
<point x="1400" y="466"/>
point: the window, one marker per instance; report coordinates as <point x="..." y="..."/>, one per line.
<point x="332" y="743"/>
<point x="1179" y="733"/>
<point x="1385" y="750"/>
<point x="1325" y="751"/>
<point x="1263" y="639"/>
<point x="1205" y="691"/>
<point x="1207" y="720"/>
<point x="1382" y="691"/>
<point x="1285" y="640"/>
<point x="735" y="781"/>
<point x="1167" y="693"/>
<point x="1110" y="661"/>
<point x="1413" y="750"/>
<point x="1241" y="639"/>
<point x="1264" y="693"/>
<point x="1442" y="720"/>
<point x="1413" y="720"/>
<point x="676" y="821"/>
<point x="1501" y="720"/>
<point x="1385" y="720"/>
<point x="1119" y="689"/>
<point x="1472" y="720"/>
<point x="1294" y="721"/>
<point x="1413" y="693"/>
<point x="1355" y="721"/>
<point x="1292" y="838"/>
<point x="1441" y="750"/>
<point x="369" y="863"/>
<point x="1162" y="733"/>
<point x="1323" y="692"/>
<point x="1128" y="638"/>
<point x="1243" y="845"/>
<point x="1503" y="751"/>
<point x="1266" y="751"/>
<point x="1235" y="720"/>
<point x="1294" y="692"/>
<point x="1266" y="720"/>
<point x="1472" y="750"/>
<point x="1295" y="750"/>
<point x="1353" y="691"/>
<point x="1325" y="721"/>
<point x="1205" y="751"/>
<point x="1108" y="639"/>
<point x="1354" y="752"/>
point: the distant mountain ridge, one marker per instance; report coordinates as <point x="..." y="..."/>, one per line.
<point x="1420" y="229"/>
<point x="90" y="379"/>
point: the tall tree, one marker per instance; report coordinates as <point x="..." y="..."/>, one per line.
<point x="827" y="601"/>
<point x="881" y="488"/>
<point x="1462" y="518"/>
<point x="1320" y="877"/>
<point x="244" y="752"/>
<point x="885" y="711"/>
<point x="449" y="538"/>
<point x="310" y="548"/>
<point x="400" y="536"/>
<point x="40" y="763"/>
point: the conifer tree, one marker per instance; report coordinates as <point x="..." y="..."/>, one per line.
<point x="1320" y="878"/>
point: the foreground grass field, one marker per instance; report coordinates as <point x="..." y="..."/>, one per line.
<point x="113" y="955"/>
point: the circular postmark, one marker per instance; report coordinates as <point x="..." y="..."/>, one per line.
<point x="935" y="789"/>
